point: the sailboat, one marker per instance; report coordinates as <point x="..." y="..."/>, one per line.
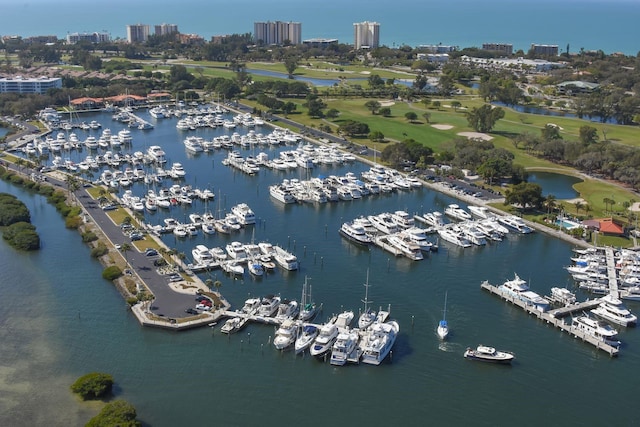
<point x="367" y="316"/>
<point x="307" y="306"/>
<point x="443" y="326"/>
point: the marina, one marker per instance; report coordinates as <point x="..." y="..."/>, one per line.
<point x="338" y="268"/>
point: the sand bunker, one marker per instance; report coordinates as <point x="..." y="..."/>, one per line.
<point x="476" y="135"/>
<point x="387" y="103"/>
<point x="442" y="127"/>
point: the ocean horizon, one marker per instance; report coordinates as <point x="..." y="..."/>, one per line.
<point x="462" y="23"/>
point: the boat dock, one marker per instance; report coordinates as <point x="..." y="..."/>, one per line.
<point x="552" y="317"/>
<point x="611" y="272"/>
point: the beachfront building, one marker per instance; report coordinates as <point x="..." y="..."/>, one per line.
<point x="277" y="33"/>
<point x="366" y="35"/>
<point x="437" y="48"/>
<point x="505" y="49"/>
<point x="544" y="49"/>
<point x="319" y="42"/>
<point x="165" y="29"/>
<point x="137" y="33"/>
<point x="21" y="84"/>
<point x="94" y="37"/>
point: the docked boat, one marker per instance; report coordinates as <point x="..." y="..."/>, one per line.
<point x="384" y="223"/>
<point x="563" y="296"/>
<point x="306" y="338"/>
<point x="355" y="232"/>
<point x="367" y="316"/>
<point x="433" y="219"/>
<point x="307" y="305"/>
<point x="519" y="289"/>
<point x="452" y="236"/>
<point x="378" y="341"/>
<point x="177" y="171"/>
<point x="406" y="246"/>
<point x="282" y="194"/>
<point x="269" y="305"/>
<point x="286" y="335"/>
<point x="418" y="236"/>
<point x="456" y="212"/>
<point x="244" y="214"/>
<point x="481" y="212"/>
<point x="515" y="223"/>
<point x="232" y="325"/>
<point x="285" y="259"/>
<point x="236" y="251"/>
<point x="255" y="267"/>
<point x="596" y="328"/>
<point x="346" y="343"/>
<point x="202" y="255"/>
<point x="489" y="354"/>
<point x="288" y="309"/>
<point x="156" y="154"/>
<point x="325" y="339"/>
<point x="613" y="310"/>
<point x="194" y="144"/>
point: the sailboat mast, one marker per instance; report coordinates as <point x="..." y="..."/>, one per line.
<point x="366" y="294"/>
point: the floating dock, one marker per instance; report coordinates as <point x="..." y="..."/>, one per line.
<point x="552" y="317"/>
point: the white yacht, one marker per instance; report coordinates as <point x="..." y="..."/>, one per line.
<point x="269" y="305"/>
<point x="403" y="219"/>
<point x="177" y="171"/>
<point x="285" y="259"/>
<point x="286" y="335"/>
<point x="406" y="246"/>
<point x="202" y="255"/>
<point x="563" y="296"/>
<point x="306" y="338"/>
<point x="613" y="310"/>
<point x="597" y="329"/>
<point x="255" y="267"/>
<point x="384" y="224"/>
<point x="485" y="353"/>
<point x="516" y="223"/>
<point x="454" y="237"/>
<point x="378" y="342"/>
<point x="434" y="219"/>
<point x="418" y="236"/>
<point x="244" y="214"/>
<point x="346" y="343"/>
<point x="519" y="289"/>
<point x="456" y="212"/>
<point x="281" y="194"/>
<point x="307" y="305"/>
<point x="356" y="233"/>
<point x="481" y="212"/>
<point x="443" y="326"/>
<point x="288" y="309"/>
<point x="194" y="144"/>
<point x="218" y="253"/>
<point x="236" y="251"/>
<point x="473" y="234"/>
<point x="156" y="154"/>
<point x="125" y="136"/>
<point x="325" y="339"/>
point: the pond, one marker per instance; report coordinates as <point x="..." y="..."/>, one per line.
<point x="3" y="131"/>
<point x="317" y="82"/>
<point x="557" y="184"/>
<point x="545" y="112"/>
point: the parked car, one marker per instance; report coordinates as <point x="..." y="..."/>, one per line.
<point x="150" y="252"/>
<point x="203" y="307"/>
<point x="191" y="311"/>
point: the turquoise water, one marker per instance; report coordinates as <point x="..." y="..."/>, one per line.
<point x="413" y="22"/>
<point x="60" y="320"/>
<point x="557" y="184"/>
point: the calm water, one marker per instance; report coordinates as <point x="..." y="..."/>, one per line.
<point x="456" y="22"/>
<point x="319" y="82"/>
<point x="60" y="322"/>
<point x="557" y="184"/>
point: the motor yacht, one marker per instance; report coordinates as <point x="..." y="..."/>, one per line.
<point x="378" y="341"/>
<point x="519" y="289"/>
<point x="516" y="223"/>
<point x="286" y="335"/>
<point x="384" y="223"/>
<point x="288" y="309"/>
<point x="456" y="212"/>
<point x="613" y="310"/>
<point x="406" y="246"/>
<point x="325" y="339"/>
<point x="306" y="338"/>
<point x="282" y="194"/>
<point x="285" y="259"/>
<point x="452" y="236"/>
<point x="563" y="296"/>
<point x="244" y="214"/>
<point x="177" y="171"/>
<point x="481" y="212"/>
<point x="356" y="233"/>
<point x="345" y="345"/>
<point x="418" y="236"/>
<point x="596" y="328"/>
<point x="236" y="251"/>
<point x="202" y="255"/>
<point x="484" y="353"/>
<point x="269" y="305"/>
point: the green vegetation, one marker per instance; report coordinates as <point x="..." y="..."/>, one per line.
<point x="112" y="272"/>
<point x="117" y="413"/>
<point x="22" y="236"/>
<point x="12" y="210"/>
<point x="100" y="250"/>
<point x="93" y="385"/>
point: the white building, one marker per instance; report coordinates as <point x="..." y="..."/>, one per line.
<point x="165" y="29"/>
<point x="94" y="37"/>
<point x="137" y="33"/>
<point x="21" y="84"/>
<point x="277" y="32"/>
<point x="366" y="35"/>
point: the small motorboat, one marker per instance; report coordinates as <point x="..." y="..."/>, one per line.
<point x="484" y="353"/>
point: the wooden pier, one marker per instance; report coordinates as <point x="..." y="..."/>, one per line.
<point x="553" y="319"/>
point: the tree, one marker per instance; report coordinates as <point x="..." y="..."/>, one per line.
<point x="376" y="135"/>
<point x="290" y="64"/>
<point x="385" y="111"/>
<point x="93" y="385"/>
<point x="578" y="205"/>
<point x="426" y="116"/>
<point x="124" y="249"/>
<point x="525" y="195"/>
<point x="375" y="81"/>
<point x="436" y="104"/>
<point x="117" y="413"/>
<point x="550" y="132"/>
<point x="373" y="106"/>
<point x="410" y="116"/>
<point x="484" y="118"/>
<point x="551" y="203"/>
<point x="455" y="105"/>
<point x="288" y="107"/>
<point x="332" y="113"/>
<point x="588" y="135"/>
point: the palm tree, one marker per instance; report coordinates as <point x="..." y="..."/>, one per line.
<point x="550" y="203"/>
<point x="124" y="249"/>
<point x="217" y="284"/>
<point x="587" y="208"/>
<point x="578" y="205"/>
<point x="72" y="185"/>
